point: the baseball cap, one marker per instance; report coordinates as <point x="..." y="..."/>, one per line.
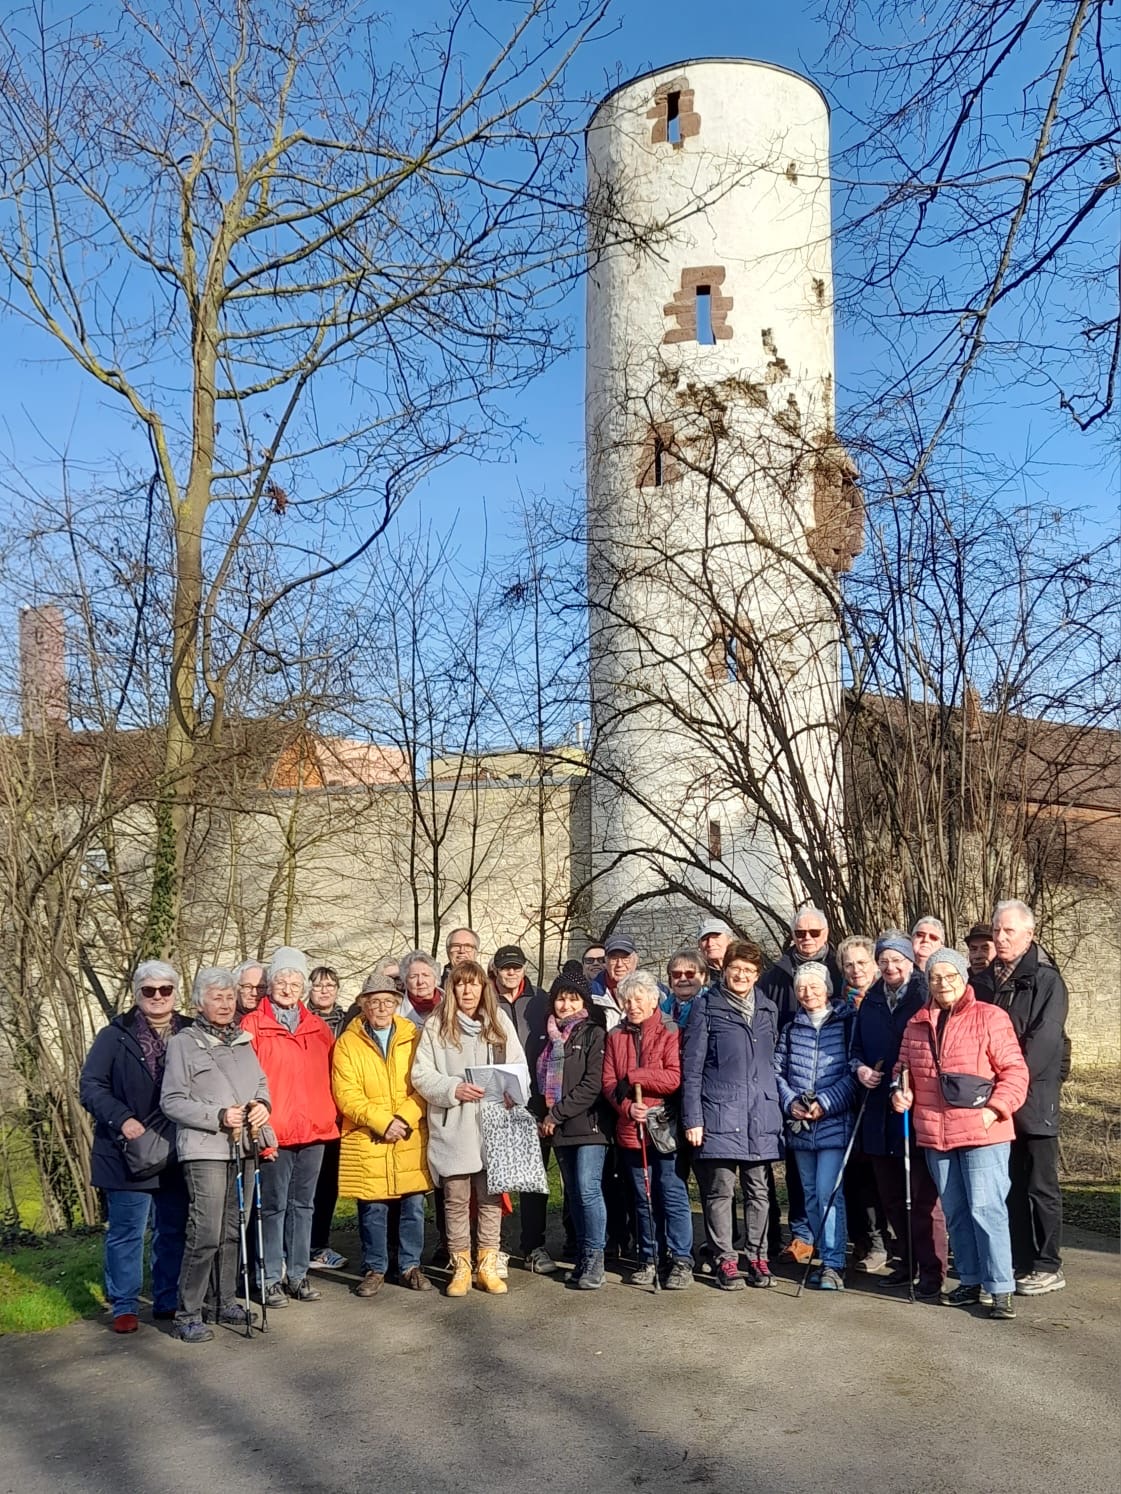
<point x="508" y="955"/>
<point x="619" y="944"/>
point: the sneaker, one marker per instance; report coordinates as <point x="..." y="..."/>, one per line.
<point x="191" y="1331"/>
<point x="872" y="1260"/>
<point x="303" y="1291"/>
<point x="1038" y="1283"/>
<point x="963" y="1296"/>
<point x="798" y="1252"/>
<point x="591" y="1272"/>
<point x="234" y="1315"/>
<point x="502" y="1268"/>
<point x="705" y="1264"/>
<point x="415" y="1279"/>
<point x="830" y="1280"/>
<point x="644" y="1275"/>
<point x="763" y="1268"/>
<point x="755" y="1273"/>
<point x="274" y="1295"/>
<point x="126" y="1322"/>
<point x="679" y="1276"/>
<point x="728" y="1277"/>
<point x="370" y="1285"/>
<point x="540" y="1262"/>
<point x="900" y="1277"/>
<point x="1002" y="1308"/>
<point x="327" y="1260"/>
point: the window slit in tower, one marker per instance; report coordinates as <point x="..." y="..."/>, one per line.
<point x="659" y="461"/>
<point x="715" y="841"/>
<point x="673" y="118"/>
<point x="705" y="334"/>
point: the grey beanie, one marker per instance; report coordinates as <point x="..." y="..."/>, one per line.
<point x="287" y="958"/>
<point x="950" y="957"/>
<point x="898" y="944"/>
<point x="810" y="969"/>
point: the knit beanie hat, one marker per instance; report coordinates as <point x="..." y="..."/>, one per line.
<point x="808" y="970"/>
<point x="949" y="957"/>
<point x="572" y="978"/>
<point x="897" y="943"/>
<point x="287" y="958"/>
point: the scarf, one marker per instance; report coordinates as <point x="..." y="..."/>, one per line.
<point x="426" y="1006"/>
<point x="745" y="1005"/>
<point x="224" y="1035"/>
<point x="550" y="1061"/>
<point x="153" y="1042"/>
<point x="287" y="1016"/>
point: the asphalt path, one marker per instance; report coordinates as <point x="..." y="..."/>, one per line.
<point x="558" y="1391"/>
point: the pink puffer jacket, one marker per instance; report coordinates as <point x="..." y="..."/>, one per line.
<point x="977" y="1039"/>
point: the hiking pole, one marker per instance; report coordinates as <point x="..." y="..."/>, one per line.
<point x="837" y="1186"/>
<point x="646" y="1184"/>
<point x="243" y="1241"/>
<point x="907" y="1191"/>
<point x="255" y="1137"/>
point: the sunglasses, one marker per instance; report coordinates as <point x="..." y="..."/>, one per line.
<point x="157" y="990"/>
<point x="808" y="933"/>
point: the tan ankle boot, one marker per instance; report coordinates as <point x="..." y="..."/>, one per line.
<point x="460" y="1284"/>
<point x="486" y="1274"/>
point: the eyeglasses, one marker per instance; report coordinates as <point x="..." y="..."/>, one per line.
<point x="944" y="980"/>
<point x="380" y="1000"/>
<point x="462" y="948"/>
<point x="683" y="975"/>
<point x="157" y="991"/>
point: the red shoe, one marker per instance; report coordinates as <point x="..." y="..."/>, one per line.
<point x="128" y="1322"/>
<point x="762" y="1267"/>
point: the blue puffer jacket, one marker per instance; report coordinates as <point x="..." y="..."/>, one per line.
<point x="728" y="1079"/>
<point x="816" y="1059"/>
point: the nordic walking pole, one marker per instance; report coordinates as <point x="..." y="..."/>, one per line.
<point x="838" y="1184"/>
<point x="235" y="1153"/>
<point x="255" y="1137"/>
<point x="907" y="1190"/>
<point x="646" y="1184"/>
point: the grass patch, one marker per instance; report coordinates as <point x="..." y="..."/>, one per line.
<point x="1094" y="1206"/>
<point x="52" y="1282"/>
<point x="1090" y="1126"/>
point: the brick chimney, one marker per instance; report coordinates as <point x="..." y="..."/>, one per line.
<point x="42" y="670"/>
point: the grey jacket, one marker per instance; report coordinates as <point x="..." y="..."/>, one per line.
<point x="203" y="1077"/>
<point x="454" y="1129"/>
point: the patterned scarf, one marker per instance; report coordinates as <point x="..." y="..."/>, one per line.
<point x="550" y="1061"/>
<point x="153" y="1042"/>
<point x="224" y="1035"/>
<point x="745" y="1005"/>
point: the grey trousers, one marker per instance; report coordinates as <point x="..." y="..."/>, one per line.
<point x="718" y="1187"/>
<point x="209" y="1272"/>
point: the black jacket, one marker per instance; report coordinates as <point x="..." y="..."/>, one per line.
<point x="877" y="1032"/>
<point x="1036" y="999"/>
<point x="778" y="982"/>
<point x="115" y="1084"/>
<point x="529" y="1014"/>
<point x="581" y="1113"/>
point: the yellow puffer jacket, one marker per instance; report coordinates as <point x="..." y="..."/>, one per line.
<point x="369" y="1091"/>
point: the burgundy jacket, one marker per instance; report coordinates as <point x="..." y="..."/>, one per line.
<point x="658" y="1070"/>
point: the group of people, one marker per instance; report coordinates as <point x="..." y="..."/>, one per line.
<point x="913" y="1093"/>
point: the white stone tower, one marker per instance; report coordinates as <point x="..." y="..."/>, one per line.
<point x="720" y="506"/>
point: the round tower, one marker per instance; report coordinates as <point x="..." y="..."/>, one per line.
<point x="720" y="506"/>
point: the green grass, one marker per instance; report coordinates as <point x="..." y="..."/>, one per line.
<point x="51" y="1283"/>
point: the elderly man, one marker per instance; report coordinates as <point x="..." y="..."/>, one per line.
<point x="927" y="935"/>
<point x="620" y="958"/>
<point x="251" y="987"/>
<point x="809" y="940"/>
<point x="713" y="938"/>
<point x="1023" y="981"/>
<point x="460" y="946"/>
<point x="979" y="943"/>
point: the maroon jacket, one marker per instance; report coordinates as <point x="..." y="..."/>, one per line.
<point x="658" y="1071"/>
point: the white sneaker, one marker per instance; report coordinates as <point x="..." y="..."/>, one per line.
<point x="1038" y="1283"/>
<point x="502" y="1265"/>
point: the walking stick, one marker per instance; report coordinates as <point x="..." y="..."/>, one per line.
<point x="907" y="1193"/>
<point x="255" y="1137"/>
<point x="243" y="1241"/>
<point x="838" y="1184"/>
<point x="646" y="1184"/>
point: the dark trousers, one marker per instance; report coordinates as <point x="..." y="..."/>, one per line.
<point x="287" y="1201"/>
<point x="865" y="1214"/>
<point x="533" y="1209"/>
<point x="717" y="1182"/>
<point x="928" y="1223"/>
<point x="618" y="1194"/>
<point x="326" y="1197"/>
<point x="1035" y="1204"/>
<point x="208" y="1276"/>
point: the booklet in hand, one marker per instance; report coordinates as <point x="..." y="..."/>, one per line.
<point x="499" y="1079"/>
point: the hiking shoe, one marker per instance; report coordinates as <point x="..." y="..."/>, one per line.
<point x="591" y="1272"/>
<point x="502" y="1269"/>
<point x="830" y="1280"/>
<point x="798" y="1252"/>
<point x="303" y="1291"/>
<point x="679" y="1276"/>
<point x="416" y="1281"/>
<point x="1038" y="1283"/>
<point x="963" y="1296"/>
<point x="644" y="1275"/>
<point x="126" y="1322"/>
<point x="1002" y="1308"/>
<point x="728" y="1277"/>
<point x="274" y="1295"/>
<point x="191" y="1331"/>
<point x="327" y="1260"/>
<point x="234" y="1315"/>
<point x="370" y="1285"/>
<point x="540" y="1262"/>
<point x="871" y="1260"/>
<point x="755" y="1273"/>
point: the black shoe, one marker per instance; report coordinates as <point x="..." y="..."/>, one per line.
<point x="441" y="1260"/>
<point x="754" y="1276"/>
<point x="928" y="1291"/>
<point x="163" y="1314"/>
<point x="303" y="1291"/>
<point x="900" y="1277"/>
<point x="963" y="1296"/>
<point x="1002" y="1307"/>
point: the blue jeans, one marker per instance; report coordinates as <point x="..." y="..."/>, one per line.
<point x="373" y="1226"/>
<point x="129" y="1211"/>
<point x="972" y="1182"/>
<point x="673" y="1216"/>
<point x="582" y="1173"/>
<point x="287" y="1207"/>
<point x="818" y="1172"/>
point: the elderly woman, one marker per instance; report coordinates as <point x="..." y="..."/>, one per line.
<point x="643" y="1054"/>
<point x="294" y="1049"/>
<point x="817" y="1093"/>
<point x="731" y="1110"/>
<point x="469" y="1030"/>
<point x="384" y="1134"/>
<point x="421" y="977"/>
<point x="877" y="1032"/>
<point x="215" y="1092"/>
<point x="120" y="1087"/>
<point x="962" y="1073"/>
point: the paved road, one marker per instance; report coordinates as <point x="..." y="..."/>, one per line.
<point x="549" y="1390"/>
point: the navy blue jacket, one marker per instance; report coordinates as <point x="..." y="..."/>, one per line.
<point x="778" y="982"/>
<point x="728" y="1079"/>
<point x="115" y="1084"/>
<point x="876" y="1035"/>
<point x="816" y="1059"/>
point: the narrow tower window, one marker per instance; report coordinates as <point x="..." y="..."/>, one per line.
<point x="715" y="841"/>
<point x="673" y="118"/>
<point x="659" y="458"/>
<point x="705" y="334"/>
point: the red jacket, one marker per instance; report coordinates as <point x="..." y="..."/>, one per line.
<point x="659" y="1072"/>
<point x="977" y="1039"/>
<point x="298" y="1068"/>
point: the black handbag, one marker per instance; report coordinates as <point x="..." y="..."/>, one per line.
<point x="662" y="1124"/>
<point x="146" y="1156"/>
<point x="961" y="1091"/>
